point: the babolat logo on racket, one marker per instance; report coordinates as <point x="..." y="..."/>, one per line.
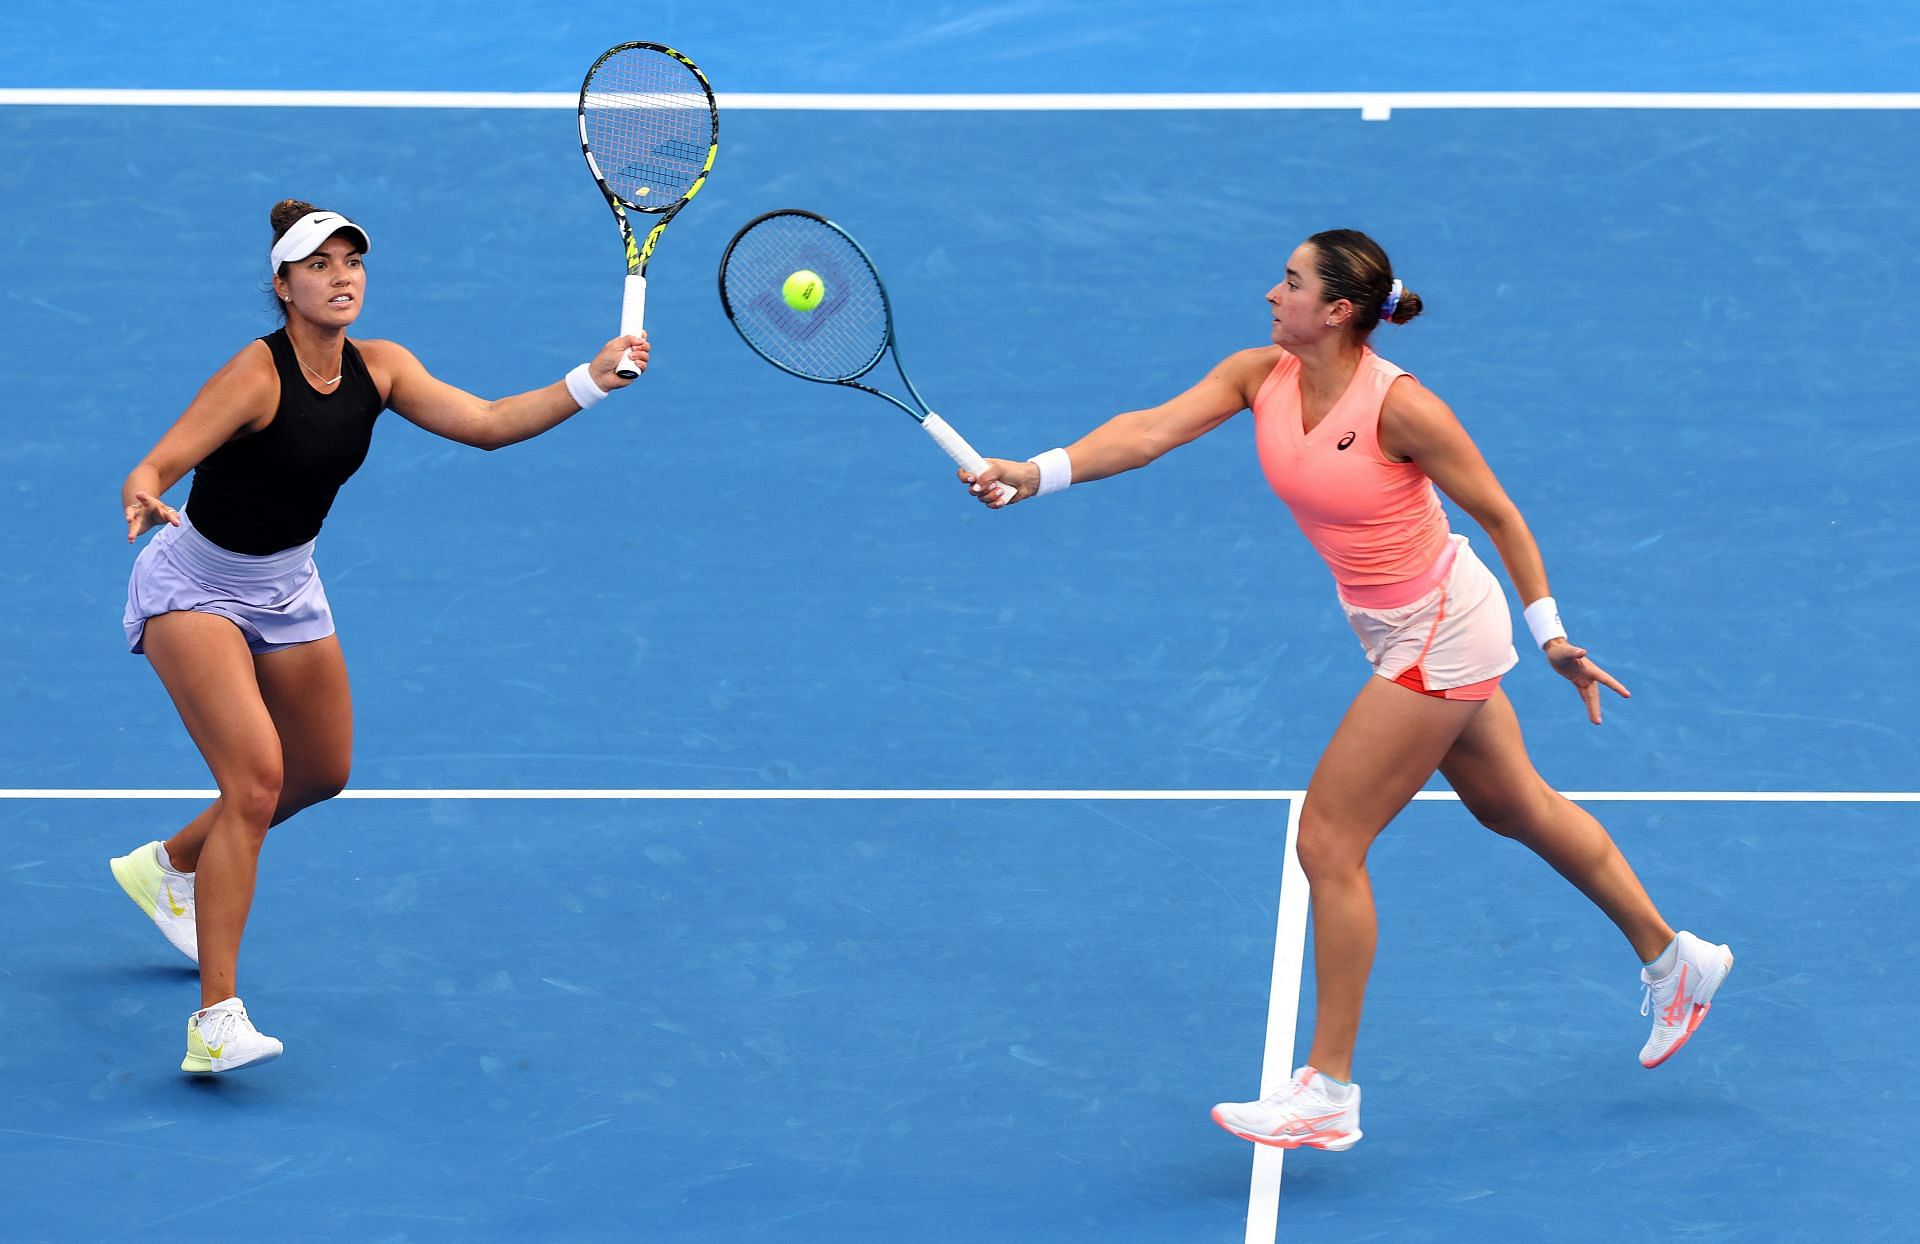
<point x="798" y="325"/>
<point x="649" y="129"/>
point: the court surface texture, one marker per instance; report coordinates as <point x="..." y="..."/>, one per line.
<point x="750" y="837"/>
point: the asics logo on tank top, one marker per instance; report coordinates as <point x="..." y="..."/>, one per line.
<point x="1345" y="441"/>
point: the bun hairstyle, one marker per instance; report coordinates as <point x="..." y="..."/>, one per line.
<point x="1352" y="266"/>
<point x="285" y="213"/>
<point x="282" y="218"/>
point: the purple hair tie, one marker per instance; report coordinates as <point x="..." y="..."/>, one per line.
<point x="1392" y="303"/>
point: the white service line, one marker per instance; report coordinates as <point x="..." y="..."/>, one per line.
<point x="1290" y="926"/>
<point x="1372" y="105"/>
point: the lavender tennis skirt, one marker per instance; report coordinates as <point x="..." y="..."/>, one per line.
<point x="276" y="601"/>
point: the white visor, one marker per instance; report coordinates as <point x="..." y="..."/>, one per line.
<point x="306" y="235"/>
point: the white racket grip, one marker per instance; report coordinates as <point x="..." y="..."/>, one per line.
<point x="962" y="453"/>
<point x="633" y="315"/>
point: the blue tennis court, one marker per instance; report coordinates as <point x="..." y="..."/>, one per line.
<point x="752" y="838"/>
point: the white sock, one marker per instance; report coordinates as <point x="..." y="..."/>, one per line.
<point x="1339" y="1092"/>
<point x="1668" y="959"/>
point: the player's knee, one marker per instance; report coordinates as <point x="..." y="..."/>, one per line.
<point x="319" y="785"/>
<point x="326" y="787"/>
<point x="254" y="794"/>
<point x="1326" y="848"/>
<point x="1514" y="816"/>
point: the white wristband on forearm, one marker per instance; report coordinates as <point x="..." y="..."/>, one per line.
<point x="1056" y="471"/>
<point x="580" y="384"/>
<point x="1543" y="619"/>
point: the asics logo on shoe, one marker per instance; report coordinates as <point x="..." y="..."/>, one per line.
<point x="1314" y="1126"/>
<point x="1671" y="1014"/>
<point x="172" y="902"/>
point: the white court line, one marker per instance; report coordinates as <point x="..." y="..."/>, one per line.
<point x="1283" y="1005"/>
<point x="1372" y="105"/>
<point x="1290" y="925"/>
<point x="1579" y="796"/>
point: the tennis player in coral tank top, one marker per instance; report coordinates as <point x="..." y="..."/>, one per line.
<point x="1356" y="447"/>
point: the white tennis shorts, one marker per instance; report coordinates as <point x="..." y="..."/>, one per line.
<point x="1455" y="642"/>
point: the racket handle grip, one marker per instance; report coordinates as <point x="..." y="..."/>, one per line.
<point x="633" y="314"/>
<point x="962" y="453"/>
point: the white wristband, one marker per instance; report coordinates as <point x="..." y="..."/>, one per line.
<point x="1543" y="619"/>
<point x="1056" y="471"/>
<point x="580" y="384"/>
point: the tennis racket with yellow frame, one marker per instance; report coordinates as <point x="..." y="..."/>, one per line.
<point x="649" y="129"/>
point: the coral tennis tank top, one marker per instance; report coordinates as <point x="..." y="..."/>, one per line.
<point x="1377" y="523"/>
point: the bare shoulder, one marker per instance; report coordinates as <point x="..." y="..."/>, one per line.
<point x="1410" y="402"/>
<point x="243" y="394"/>
<point x="1258" y="360"/>
<point x="389" y="363"/>
<point x="1247" y="370"/>
<point x="383" y="354"/>
<point x="1413" y="418"/>
<point x="247" y="382"/>
<point x="253" y="363"/>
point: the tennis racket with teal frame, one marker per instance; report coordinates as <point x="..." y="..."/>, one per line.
<point x="842" y="338"/>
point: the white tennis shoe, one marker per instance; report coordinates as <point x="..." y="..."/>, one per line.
<point x="166" y="896"/>
<point x="1298" y="1113"/>
<point x="222" y="1038"/>
<point x="1679" y="1000"/>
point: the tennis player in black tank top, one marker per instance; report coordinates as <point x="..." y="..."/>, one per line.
<point x="270" y="438"/>
<point x="271" y="490"/>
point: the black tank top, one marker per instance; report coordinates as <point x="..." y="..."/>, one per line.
<point x="271" y="490"/>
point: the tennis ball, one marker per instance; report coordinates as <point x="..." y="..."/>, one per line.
<point x="803" y="290"/>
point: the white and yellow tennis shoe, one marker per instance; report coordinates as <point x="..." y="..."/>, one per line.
<point x="1679" y="1000"/>
<point x="166" y="896"/>
<point x="222" y="1038"/>
<point x="1300" y="1113"/>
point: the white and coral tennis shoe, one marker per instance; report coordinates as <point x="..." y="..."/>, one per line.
<point x="1301" y="1113"/>
<point x="1679" y="1000"/>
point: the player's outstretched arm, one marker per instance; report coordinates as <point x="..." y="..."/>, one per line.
<point x="1416" y="425"/>
<point x="423" y="399"/>
<point x="1131" y="440"/>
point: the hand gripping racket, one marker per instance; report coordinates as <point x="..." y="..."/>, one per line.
<point x="840" y="337"/>
<point x="649" y="130"/>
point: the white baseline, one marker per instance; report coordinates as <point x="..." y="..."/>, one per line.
<point x="1373" y="105"/>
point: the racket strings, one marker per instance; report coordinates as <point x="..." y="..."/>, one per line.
<point x="649" y="124"/>
<point x="841" y="338"/>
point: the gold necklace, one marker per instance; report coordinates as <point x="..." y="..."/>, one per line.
<point x="316" y="375"/>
